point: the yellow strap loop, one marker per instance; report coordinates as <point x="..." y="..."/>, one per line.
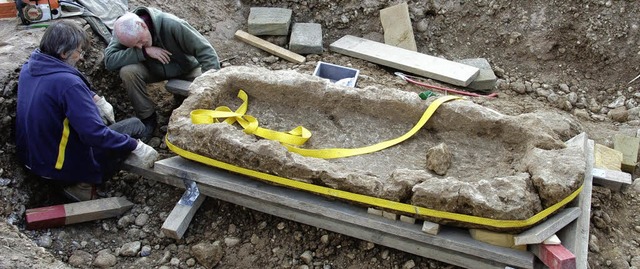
<point x="250" y="125"/>
<point x="332" y="153"/>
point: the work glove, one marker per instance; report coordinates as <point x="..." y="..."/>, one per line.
<point x="143" y="156"/>
<point x="106" y="111"/>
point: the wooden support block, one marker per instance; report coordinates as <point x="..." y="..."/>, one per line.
<point x="611" y="179"/>
<point x="60" y="215"/>
<point x="398" y="30"/>
<point x="270" y="47"/>
<point x="554" y="256"/>
<point x="496" y="239"/>
<point x="389" y="215"/>
<point x="628" y="145"/>
<point x="552" y="240"/>
<point x="549" y="227"/>
<point x="430" y="227"/>
<point x="407" y="219"/>
<point x="607" y="158"/>
<point x="178" y="220"/>
<point x="178" y="86"/>
<point x="575" y="236"/>
<point x="374" y="211"/>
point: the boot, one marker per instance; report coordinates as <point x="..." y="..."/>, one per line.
<point x="81" y="192"/>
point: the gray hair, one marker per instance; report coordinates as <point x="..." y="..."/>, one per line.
<point x="63" y="37"/>
<point x="127" y="26"/>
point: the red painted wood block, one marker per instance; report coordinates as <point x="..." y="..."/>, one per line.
<point x="557" y="257"/>
<point x="60" y="215"/>
<point x="46" y="217"/>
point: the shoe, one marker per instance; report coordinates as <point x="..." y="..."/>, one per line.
<point x="81" y="192"/>
<point x="150" y="124"/>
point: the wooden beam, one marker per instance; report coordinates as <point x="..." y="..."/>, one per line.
<point x="575" y="236"/>
<point x="555" y="256"/>
<point x="611" y="179"/>
<point x="270" y="47"/>
<point x="451" y="245"/>
<point x="178" y="220"/>
<point x="60" y="215"/>
<point x="410" y="61"/>
<point x="548" y="228"/>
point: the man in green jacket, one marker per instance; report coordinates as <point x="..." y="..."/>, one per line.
<point x="149" y="46"/>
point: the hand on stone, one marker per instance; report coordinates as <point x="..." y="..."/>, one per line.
<point x="159" y="54"/>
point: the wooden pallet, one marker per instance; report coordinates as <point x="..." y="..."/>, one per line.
<point x="451" y="245"/>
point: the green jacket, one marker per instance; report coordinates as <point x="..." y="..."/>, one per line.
<point x="189" y="48"/>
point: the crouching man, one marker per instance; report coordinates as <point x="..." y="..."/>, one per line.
<point x="61" y="124"/>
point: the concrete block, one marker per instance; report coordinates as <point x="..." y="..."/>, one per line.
<point x="389" y="215"/>
<point x="486" y="79"/>
<point x="430" y="227"/>
<point x="306" y="38"/>
<point x="407" y="219"/>
<point x="374" y="211"/>
<point x="269" y="21"/>
<point x="628" y="145"/>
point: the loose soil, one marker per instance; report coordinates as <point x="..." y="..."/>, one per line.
<point x="572" y="58"/>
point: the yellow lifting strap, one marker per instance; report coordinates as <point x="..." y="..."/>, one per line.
<point x="300" y="135"/>
<point x="374" y="201"/>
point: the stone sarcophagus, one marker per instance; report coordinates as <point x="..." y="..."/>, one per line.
<point x="468" y="165"/>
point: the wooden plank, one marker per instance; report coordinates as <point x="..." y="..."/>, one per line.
<point x="611" y="179"/>
<point x="270" y="47"/>
<point x="607" y="158"/>
<point x="406" y="60"/>
<point x="555" y="256"/>
<point x="60" y="215"/>
<point x="178" y="86"/>
<point x="496" y="238"/>
<point x="548" y="228"/>
<point x="451" y="245"/>
<point x="398" y="30"/>
<point x="178" y="220"/>
<point x="575" y="236"/>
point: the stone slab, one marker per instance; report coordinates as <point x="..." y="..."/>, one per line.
<point x="628" y="145"/>
<point x="410" y="61"/>
<point x="306" y="38"/>
<point x="611" y="179"/>
<point x="486" y="79"/>
<point x="398" y="30"/>
<point x="269" y="21"/>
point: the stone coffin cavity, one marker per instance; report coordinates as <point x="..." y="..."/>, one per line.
<point x="502" y="167"/>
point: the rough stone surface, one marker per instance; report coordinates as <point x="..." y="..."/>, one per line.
<point x="208" y="254"/>
<point x="306" y="38"/>
<point x="439" y="159"/>
<point x="488" y="146"/>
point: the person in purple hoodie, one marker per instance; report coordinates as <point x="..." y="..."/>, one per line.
<point x="61" y="131"/>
